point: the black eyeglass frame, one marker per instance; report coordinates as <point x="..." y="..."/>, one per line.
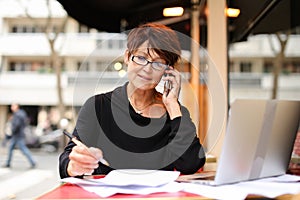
<point x="156" y="67"/>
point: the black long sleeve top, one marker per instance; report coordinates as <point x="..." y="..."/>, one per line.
<point x="129" y="140"/>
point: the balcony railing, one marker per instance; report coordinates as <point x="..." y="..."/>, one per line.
<point x="40" y="89"/>
<point x="70" y="44"/>
<point x="263" y="80"/>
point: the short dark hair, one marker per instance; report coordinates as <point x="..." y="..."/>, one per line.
<point x="162" y="39"/>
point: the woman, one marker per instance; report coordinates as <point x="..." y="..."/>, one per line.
<point x="134" y="126"/>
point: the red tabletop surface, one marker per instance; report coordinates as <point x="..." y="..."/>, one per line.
<point x="71" y="191"/>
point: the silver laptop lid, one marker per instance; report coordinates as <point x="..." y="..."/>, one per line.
<point x="259" y="140"/>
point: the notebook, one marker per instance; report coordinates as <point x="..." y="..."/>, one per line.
<point x="258" y="142"/>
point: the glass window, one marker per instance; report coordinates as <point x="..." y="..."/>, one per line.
<point x="99" y="43"/>
<point x="83" y="66"/>
<point x="268" y="67"/>
<point x="110" y="44"/>
<point x="245" y="67"/>
<point x="231" y="66"/>
<point x="121" y="44"/>
<point x="14" y="29"/>
<point x="26" y="29"/>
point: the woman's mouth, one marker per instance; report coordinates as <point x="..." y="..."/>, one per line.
<point x="144" y="77"/>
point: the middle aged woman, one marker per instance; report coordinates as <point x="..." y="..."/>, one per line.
<point x="135" y="126"/>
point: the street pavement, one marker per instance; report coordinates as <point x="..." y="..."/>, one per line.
<point x="21" y="182"/>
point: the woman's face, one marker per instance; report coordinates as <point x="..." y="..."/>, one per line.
<point x="144" y="77"/>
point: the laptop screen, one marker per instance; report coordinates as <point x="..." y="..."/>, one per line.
<point x="259" y="140"/>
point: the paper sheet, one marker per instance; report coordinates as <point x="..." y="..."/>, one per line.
<point x="131" y="181"/>
<point x="220" y="192"/>
<point x="268" y="187"/>
<point x="139" y="177"/>
<point x="106" y="191"/>
<point x="139" y="182"/>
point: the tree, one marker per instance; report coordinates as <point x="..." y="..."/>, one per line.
<point x="55" y="60"/>
<point x="279" y="58"/>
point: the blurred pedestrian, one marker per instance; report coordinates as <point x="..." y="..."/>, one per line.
<point x="18" y="124"/>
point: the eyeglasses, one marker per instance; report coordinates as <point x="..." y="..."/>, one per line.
<point x="140" y="60"/>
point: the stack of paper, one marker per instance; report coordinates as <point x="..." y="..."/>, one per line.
<point x="145" y="182"/>
<point x="131" y="181"/>
<point x="267" y="187"/>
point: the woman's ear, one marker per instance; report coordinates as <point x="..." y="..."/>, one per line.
<point x="126" y="56"/>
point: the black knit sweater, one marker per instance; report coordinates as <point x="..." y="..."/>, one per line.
<point x="129" y="140"/>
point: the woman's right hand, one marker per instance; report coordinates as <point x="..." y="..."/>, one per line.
<point x="83" y="160"/>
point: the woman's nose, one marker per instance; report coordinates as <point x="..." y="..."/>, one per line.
<point x="148" y="67"/>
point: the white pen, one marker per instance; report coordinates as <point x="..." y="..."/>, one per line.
<point x="78" y="143"/>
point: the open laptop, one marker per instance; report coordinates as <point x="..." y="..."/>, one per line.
<point x="259" y="140"/>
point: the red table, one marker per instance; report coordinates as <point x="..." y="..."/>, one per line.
<point x="71" y="191"/>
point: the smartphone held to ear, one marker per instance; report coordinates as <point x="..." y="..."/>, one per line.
<point x="168" y="84"/>
<point x="167" y="87"/>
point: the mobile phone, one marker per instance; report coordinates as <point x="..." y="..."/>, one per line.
<point x="167" y="85"/>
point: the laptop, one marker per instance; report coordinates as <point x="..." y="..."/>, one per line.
<point x="259" y="141"/>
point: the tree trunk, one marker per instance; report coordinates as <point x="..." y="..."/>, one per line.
<point x="276" y="72"/>
<point x="56" y="63"/>
<point x="279" y="61"/>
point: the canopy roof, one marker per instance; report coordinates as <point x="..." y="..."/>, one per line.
<point x="257" y="16"/>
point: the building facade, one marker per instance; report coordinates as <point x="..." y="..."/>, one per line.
<point x="92" y="62"/>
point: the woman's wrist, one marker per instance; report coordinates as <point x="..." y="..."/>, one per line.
<point x="174" y="110"/>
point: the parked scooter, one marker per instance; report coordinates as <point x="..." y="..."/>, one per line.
<point x="51" y="142"/>
<point x="48" y="141"/>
